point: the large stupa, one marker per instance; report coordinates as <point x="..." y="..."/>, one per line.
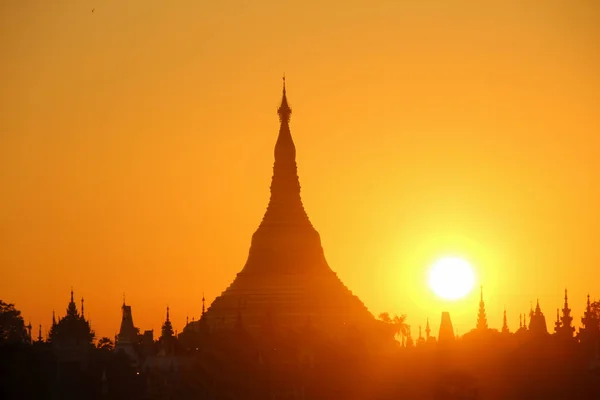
<point x="286" y="282"/>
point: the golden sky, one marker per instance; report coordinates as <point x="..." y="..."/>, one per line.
<point x="136" y="149"/>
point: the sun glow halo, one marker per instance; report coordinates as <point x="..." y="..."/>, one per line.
<point x="451" y="278"/>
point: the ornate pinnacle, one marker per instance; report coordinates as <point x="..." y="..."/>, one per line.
<point x="588" y="302"/>
<point x="284" y="109"/>
<point x="481" y="317"/>
<point x="520" y="321"/>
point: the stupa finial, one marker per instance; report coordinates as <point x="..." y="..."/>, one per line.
<point x="284" y="109"/>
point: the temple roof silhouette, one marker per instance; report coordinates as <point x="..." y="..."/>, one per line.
<point x="286" y="278"/>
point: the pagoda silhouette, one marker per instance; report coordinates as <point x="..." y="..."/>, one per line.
<point x="286" y="283"/>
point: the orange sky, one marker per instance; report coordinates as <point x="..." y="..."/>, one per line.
<point x="136" y="149"/>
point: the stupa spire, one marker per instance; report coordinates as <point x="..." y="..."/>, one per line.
<point x="446" y="329"/>
<point x="565" y="321"/>
<point x="72" y="307"/>
<point x="505" y="323"/>
<point x="29" y="328"/>
<point x="420" y="339"/>
<point x="520" y="321"/>
<point x="286" y="272"/>
<point x="284" y="110"/>
<point x="167" y="328"/>
<point x="127" y="332"/>
<point x="557" y="324"/>
<point x="285" y="207"/>
<point x="589" y="320"/>
<point x="203" y="300"/>
<point x="82" y="307"/>
<point x="481" y="318"/>
<point x="588" y="306"/>
<point x="537" y="321"/>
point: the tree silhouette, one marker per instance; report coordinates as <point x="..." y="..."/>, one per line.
<point x="105" y="344"/>
<point x="397" y="324"/>
<point x="12" y="326"/>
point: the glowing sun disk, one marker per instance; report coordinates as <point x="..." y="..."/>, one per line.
<point x="451" y="278"/>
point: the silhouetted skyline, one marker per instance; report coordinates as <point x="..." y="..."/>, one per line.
<point x="137" y="140"/>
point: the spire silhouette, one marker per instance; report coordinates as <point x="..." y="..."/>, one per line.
<point x="203" y="309"/>
<point x="167" y="328"/>
<point x="409" y="339"/>
<point x="127" y="332"/>
<point x="286" y="272"/>
<point x="420" y="339"/>
<point x="505" y="323"/>
<point x="564" y="326"/>
<point x="588" y="303"/>
<point x="82" y="307"/>
<point x="446" y="333"/>
<point x="29" y="328"/>
<point x="285" y="206"/>
<point x="537" y="321"/>
<point x="481" y="317"/>
<point x="72" y="307"/>
<point x="284" y="109"/>
<point x="520" y="321"/>
<point x="589" y="320"/>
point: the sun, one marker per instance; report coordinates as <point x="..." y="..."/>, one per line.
<point x="451" y="278"/>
